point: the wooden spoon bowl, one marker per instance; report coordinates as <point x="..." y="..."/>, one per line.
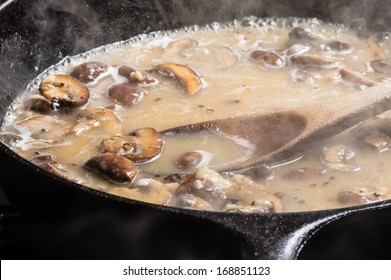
<point x="277" y="136"/>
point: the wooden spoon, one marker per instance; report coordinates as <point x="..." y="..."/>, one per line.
<point x="277" y="136"/>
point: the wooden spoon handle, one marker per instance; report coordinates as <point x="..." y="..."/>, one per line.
<point x="348" y="110"/>
<point x="323" y="120"/>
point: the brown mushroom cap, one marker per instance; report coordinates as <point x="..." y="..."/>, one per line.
<point x="64" y="91"/>
<point x="299" y="35"/>
<point x="268" y="59"/>
<point x="350" y="197"/>
<point x="89" y="71"/>
<point x="226" y="57"/>
<point x="254" y="196"/>
<point x="100" y="118"/>
<point x="191" y="201"/>
<point x="141" y="145"/>
<point x="381" y="66"/>
<point x="182" y="43"/>
<point x="137" y="76"/>
<point x="189" y="160"/>
<point x="126" y="94"/>
<point x="9" y="138"/>
<point x="313" y="60"/>
<point x="98" y="113"/>
<point x="356" y="78"/>
<point x="47" y="162"/>
<point x="117" y="168"/>
<point x="45" y="128"/>
<point x="218" y="56"/>
<point x="39" y="103"/>
<point x="302" y="36"/>
<point x="340" y="158"/>
<point x="147" y="190"/>
<point x="185" y="75"/>
<point x="374" y="133"/>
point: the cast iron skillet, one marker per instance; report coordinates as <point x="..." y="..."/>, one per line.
<point x="37" y="34"/>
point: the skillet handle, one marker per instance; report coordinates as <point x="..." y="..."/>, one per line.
<point x="274" y="236"/>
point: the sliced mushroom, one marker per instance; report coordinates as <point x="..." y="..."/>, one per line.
<point x="44" y="128"/>
<point x="171" y="187"/>
<point x="47" y="162"/>
<point x="43" y="158"/>
<point x="201" y="188"/>
<point x="60" y="170"/>
<point x="64" y="91"/>
<point x="137" y="76"/>
<point x="239" y="179"/>
<point x="375" y="133"/>
<point x="126" y="94"/>
<point x="381" y="66"/>
<point x="356" y="78"/>
<point x="268" y="59"/>
<point x="297" y="49"/>
<point x="182" y="43"/>
<point x="308" y="74"/>
<point x="140" y="146"/>
<point x="252" y="198"/>
<point x="189" y="160"/>
<point x="225" y="56"/>
<point x="146" y="190"/>
<point x="117" y="168"/>
<point x="101" y="118"/>
<point x="186" y="182"/>
<point x="185" y="75"/>
<point x="373" y="125"/>
<point x="218" y="181"/>
<point x="340" y="158"/>
<point x="349" y="197"/>
<point x="190" y="201"/>
<point x="10" y="139"/>
<point x="299" y="35"/>
<point x="313" y="60"/>
<point x="38" y="103"/>
<point x="174" y="178"/>
<point x="305" y="173"/>
<point x="337" y="46"/>
<point x="102" y="115"/>
<point x="210" y="192"/>
<point x="380" y="142"/>
<point x="120" y="145"/>
<point x="218" y="56"/>
<point x="89" y="72"/>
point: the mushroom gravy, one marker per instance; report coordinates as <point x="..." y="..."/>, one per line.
<point x="95" y="118"/>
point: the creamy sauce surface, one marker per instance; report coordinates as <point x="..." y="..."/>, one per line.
<point x="261" y="66"/>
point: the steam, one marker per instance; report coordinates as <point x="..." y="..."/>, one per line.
<point x="37" y="34"/>
<point x="363" y="15"/>
<point x="62" y="29"/>
<point x="366" y="16"/>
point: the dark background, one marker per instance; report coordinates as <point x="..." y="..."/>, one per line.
<point x="3" y="199"/>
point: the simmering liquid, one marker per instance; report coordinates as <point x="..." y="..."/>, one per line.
<point x="109" y="139"/>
